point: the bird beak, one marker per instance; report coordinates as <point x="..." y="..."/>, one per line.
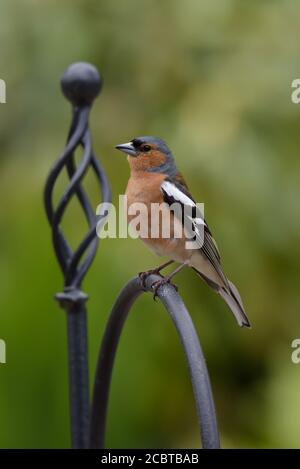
<point x="127" y="148"/>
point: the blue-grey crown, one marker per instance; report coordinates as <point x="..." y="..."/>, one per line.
<point x="169" y="167"/>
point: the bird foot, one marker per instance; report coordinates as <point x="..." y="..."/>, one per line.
<point x="143" y="275"/>
<point x="156" y="285"/>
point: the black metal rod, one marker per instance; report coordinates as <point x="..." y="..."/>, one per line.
<point x="81" y="83"/>
<point x="78" y="377"/>
<point x="192" y="349"/>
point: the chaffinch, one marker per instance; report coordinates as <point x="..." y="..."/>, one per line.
<point x="155" y="179"/>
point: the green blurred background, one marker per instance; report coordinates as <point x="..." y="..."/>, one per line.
<point x="213" y="78"/>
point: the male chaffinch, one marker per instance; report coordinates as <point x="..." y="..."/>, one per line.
<point x="155" y="179"/>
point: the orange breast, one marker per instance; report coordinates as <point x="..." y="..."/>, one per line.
<point x="158" y="223"/>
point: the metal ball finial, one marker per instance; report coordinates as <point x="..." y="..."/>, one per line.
<point x="81" y="83"/>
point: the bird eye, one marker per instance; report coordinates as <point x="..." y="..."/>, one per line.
<point x="146" y="148"/>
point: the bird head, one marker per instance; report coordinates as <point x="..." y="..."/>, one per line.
<point x="150" y="154"/>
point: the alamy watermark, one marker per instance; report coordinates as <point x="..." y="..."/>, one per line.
<point x="2" y="92"/>
<point x="295" y="95"/>
<point x="2" y="351"/>
<point x="295" y="356"/>
<point x="2" y="101"/>
<point x="152" y="221"/>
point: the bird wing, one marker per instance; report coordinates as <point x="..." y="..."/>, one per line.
<point x="175" y="192"/>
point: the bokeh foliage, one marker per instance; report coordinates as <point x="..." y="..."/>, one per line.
<point x="213" y="78"/>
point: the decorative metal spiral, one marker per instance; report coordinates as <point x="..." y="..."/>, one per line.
<point x="81" y="83"/>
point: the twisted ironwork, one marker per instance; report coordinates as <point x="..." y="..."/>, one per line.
<point x="80" y="84"/>
<point x="192" y="349"/>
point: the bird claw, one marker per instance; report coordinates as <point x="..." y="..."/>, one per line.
<point x="143" y="276"/>
<point x="156" y="285"/>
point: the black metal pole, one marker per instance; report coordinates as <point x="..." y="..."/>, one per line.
<point x="78" y="374"/>
<point x="73" y="302"/>
<point x="79" y="377"/>
<point x="81" y="84"/>
<point x="192" y="348"/>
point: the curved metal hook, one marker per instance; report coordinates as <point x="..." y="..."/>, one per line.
<point x="192" y="349"/>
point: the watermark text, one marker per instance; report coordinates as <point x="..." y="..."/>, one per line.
<point x="295" y="357"/>
<point x="2" y="351"/>
<point x="152" y="221"/>
<point x="2" y="92"/>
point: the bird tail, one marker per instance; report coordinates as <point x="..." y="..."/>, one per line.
<point x="232" y="297"/>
